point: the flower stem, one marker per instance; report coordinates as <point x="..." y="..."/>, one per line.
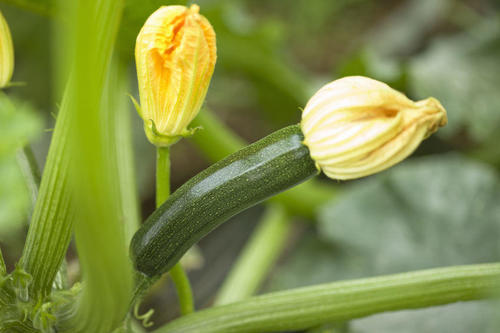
<point x="183" y="287"/>
<point x="303" y="308"/>
<point x="258" y="256"/>
<point x="179" y="277"/>
<point x="162" y="175"/>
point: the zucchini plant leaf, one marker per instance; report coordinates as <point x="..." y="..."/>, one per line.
<point x="463" y="73"/>
<point x="427" y="212"/>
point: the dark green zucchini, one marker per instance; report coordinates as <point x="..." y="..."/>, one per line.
<point x="241" y="180"/>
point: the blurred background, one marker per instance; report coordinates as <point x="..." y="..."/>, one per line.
<point x="440" y="207"/>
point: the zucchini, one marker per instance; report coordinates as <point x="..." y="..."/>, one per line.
<point x="241" y="180"/>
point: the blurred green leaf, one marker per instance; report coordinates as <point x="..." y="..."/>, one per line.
<point x="441" y="210"/>
<point x="14" y="197"/>
<point x="463" y="73"/>
<point x="398" y="36"/>
<point x="18" y="124"/>
<point x="402" y="31"/>
<point x="254" y="50"/>
<point x="429" y="212"/>
<point x="41" y="7"/>
<point x="457" y="318"/>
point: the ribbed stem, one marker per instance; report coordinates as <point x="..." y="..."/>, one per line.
<point x="52" y="221"/>
<point x="99" y="232"/>
<point x="312" y="306"/>
<point x="121" y="134"/>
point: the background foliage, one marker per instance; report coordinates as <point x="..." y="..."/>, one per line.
<point x="441" y="207"/>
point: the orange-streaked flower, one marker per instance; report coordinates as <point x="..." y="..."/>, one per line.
<point x="175" y="55"/>
<point x="6" y="53"/>
<point x="356" y="126"/>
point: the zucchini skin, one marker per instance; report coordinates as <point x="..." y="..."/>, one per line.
<point x="239" y="181"/>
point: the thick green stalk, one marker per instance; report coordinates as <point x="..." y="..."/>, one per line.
<point x="179" y="277"/>
<point x="52" y="220"/>
<point x="121" y="134"/>
<point x="312" y="306"/>
<point x="217" y="141"/>
<point x="258" y="256"/>
<point x="99" y="231"/>
<point x="31" y="172"/>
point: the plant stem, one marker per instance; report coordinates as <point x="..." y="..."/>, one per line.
<point x="107" y="275"/>
<point x="183" y="287"/>
<point x="258" y="256"/>
<point x="52" y="221"/>
<point x="162" y="175"/>
<point x="119" y="121"/>
<point x="179" y="277"/>
<point x="307" y="307"/>
<point x="31" y="172"/>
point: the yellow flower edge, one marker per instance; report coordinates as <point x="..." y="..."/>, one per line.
<point x="6" y="53"/>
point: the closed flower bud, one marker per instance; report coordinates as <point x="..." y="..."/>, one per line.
<point x="175" y="56"/>
<point x="356" y="126"/>
<point x="6" y="53"/>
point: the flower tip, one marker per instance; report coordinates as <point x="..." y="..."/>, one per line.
<point x="439" y="109"/>
<point x="194" y="8"/>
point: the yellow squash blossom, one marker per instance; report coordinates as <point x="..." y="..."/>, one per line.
<point x="175" y="56"/>
<point x="356" y="126"/>
<point x="6" y="53"/>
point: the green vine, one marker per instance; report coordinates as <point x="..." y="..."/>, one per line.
<point x="338" y="301"/>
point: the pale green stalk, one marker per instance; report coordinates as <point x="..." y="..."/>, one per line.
<point x="258" y="256"/>
<point x="121" y="134"/>
<point x="179" y="277"/>
<point x="99" y="232"/>
<point x="31" y="172"/>
<point x="308" y="307"/>
<point x="52" y="220"/>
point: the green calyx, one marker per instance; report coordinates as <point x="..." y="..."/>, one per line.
<point x="154" y="136"/>
<point x="163" y="140"/>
